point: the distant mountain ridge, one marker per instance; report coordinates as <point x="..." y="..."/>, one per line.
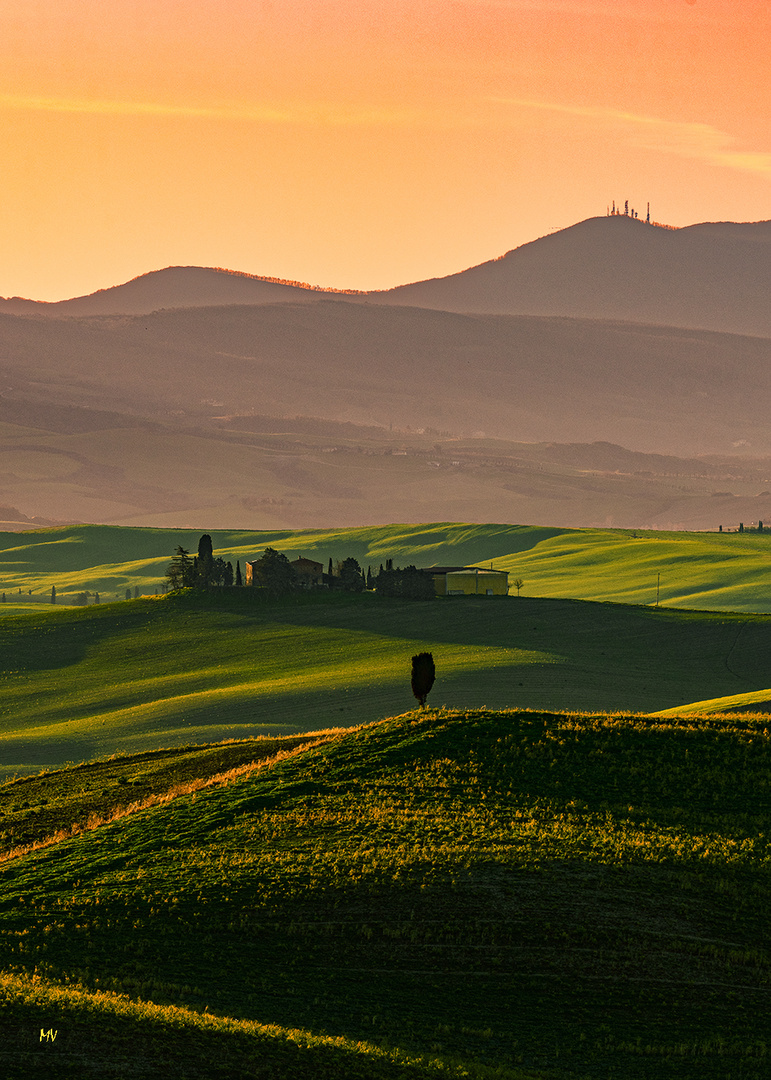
<point x="713" y="276"/>
<point x="174" y="287"/>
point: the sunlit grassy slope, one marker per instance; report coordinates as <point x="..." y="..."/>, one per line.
<point x="719" y="571"/>
<point x="755" y="703"/>
<point x="581" y="895"/>
<point x="80" y="683"/>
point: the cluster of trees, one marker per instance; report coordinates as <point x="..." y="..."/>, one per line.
<point x="274" y="572"/>
<point x="407" y="583"/>
<point x="347" y="575"/>
<point x="80" y="599"/>
<point x="187" y="571"/>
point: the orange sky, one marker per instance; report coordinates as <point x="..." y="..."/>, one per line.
<point x="363" y="143"/>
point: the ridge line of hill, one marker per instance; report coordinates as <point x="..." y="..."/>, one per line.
<point x="714" y="275"/>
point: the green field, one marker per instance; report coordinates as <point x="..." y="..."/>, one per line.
<point x="259" y="863"/>
<point x="465" y="893"/>
<point x="718" y="571"/>
<point x="81" y="683"/>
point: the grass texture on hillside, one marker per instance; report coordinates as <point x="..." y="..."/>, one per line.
<point x="82" y="683"/>
<point x="757" y="703"/>
<point x="579" y="895"/>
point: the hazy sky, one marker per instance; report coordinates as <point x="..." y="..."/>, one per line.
<point x="363" y="143"/>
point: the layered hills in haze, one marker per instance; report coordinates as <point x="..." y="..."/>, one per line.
<point x="713" y="276"/>
<point x="167" y="400"/>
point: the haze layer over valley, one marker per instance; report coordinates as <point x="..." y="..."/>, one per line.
<point x="614" y="373"/>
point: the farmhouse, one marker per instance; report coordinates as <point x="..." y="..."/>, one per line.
<point x="308" y="572"/>
<point x="468" y="581"/>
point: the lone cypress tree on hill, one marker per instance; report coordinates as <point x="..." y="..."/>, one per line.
<point x="423" y="675"/>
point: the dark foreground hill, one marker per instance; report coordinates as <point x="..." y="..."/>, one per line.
<point x="453" y="893"/>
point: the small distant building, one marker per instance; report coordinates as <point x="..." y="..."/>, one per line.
<point x="468" y="581"/>
<point x="309" y="573"/>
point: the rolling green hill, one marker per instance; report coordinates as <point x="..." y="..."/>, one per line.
<point x="718" y="571"/>
<point x="81" y="683"/>
<point x="450" y="893"/>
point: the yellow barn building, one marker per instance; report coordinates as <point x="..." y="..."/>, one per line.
<point x="468" y="581"/>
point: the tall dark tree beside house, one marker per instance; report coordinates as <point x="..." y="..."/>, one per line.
<point x="205" y="569"/>
<point x="239" y="579"/>
<point x="205" y="549"/>
<point x="370" y="580"/>
<point x="423" y="675"/>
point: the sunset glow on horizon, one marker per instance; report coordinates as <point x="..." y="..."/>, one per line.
<point x="363" y="145"/>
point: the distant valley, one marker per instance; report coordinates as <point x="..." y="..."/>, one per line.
<point x="614" y="373"/>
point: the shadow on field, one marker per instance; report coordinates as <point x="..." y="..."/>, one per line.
<point x="620" y="966"/>
<point x="61" y="637"/>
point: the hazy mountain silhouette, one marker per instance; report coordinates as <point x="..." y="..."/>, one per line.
<point x="713" y="276"/>
<point x="174" y="287"/>
<point x="130" y="404"/>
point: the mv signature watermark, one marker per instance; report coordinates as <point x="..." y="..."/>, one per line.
<point x="48" y="1036"/>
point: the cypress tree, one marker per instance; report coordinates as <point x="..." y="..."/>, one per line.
<point x="205" y="561"/>
<point x="239" y="579"/>
<point x="423" y="675"/>
<point x="53" y="594"/>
